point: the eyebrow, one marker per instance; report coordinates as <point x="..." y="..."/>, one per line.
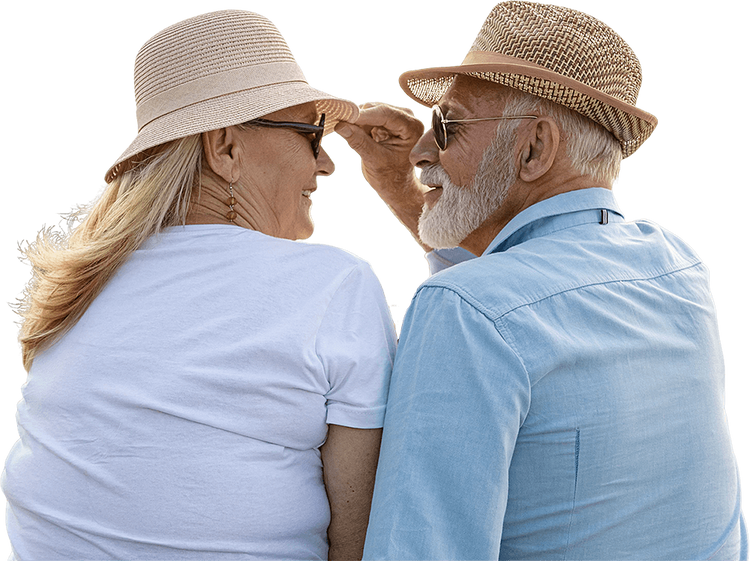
<point x="311" y="116"/>
<point x="453" y="105"/>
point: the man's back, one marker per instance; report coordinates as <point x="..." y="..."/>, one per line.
<point x="579" y="376"/>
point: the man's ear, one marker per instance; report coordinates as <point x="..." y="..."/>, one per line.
<point x="221" y="152"/>
<point x="539" y="146"/>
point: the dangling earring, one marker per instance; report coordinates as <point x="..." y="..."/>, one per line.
<point x="231" y="201"/>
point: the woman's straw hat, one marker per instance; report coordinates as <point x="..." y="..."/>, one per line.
<point x="555" y="53"/>
<point x="213" y="71"/>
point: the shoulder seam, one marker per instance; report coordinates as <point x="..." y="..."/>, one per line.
<point x="495" y="316"/>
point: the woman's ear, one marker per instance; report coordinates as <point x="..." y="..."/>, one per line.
<point x="539" y="148"/>
<point x="221" y="152"/>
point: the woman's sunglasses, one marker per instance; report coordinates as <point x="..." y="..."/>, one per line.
<point x="440" y="132"/>
<point x="302" y="128"/>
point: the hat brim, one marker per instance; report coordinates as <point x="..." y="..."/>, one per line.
<point x="228" y="110"/>
<point x="630" y="125"/>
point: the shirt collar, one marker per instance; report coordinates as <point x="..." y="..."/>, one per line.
<point x="556" y="213"/>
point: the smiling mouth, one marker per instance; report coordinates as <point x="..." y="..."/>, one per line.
<point x="307" y="193"/>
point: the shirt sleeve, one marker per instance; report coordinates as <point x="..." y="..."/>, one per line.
<point x="356" y="343"/>
<point x="458" y="397"/>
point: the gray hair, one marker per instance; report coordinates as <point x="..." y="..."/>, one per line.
<point x="591" y="148"/>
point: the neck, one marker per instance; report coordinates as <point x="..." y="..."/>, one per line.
<point x="210" y="205"/>
<point x="197" y="217"/>
<point x="521" y="196"/>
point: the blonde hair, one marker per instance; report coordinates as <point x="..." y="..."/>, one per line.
<point x="71" y="267"/>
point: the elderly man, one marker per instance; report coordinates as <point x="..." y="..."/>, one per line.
<point x="561" y="395"/>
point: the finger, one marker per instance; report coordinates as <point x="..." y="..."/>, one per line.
<point x="358" y="139"/>
<point x="379" y="134"/>
<point x="375" y="114"/>
<point x="371" y="104"/>
<point x="397" y="122"/>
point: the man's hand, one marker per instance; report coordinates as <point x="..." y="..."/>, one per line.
<point x="383" y="136"/>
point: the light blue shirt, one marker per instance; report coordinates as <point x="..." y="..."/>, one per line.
<point x="561" y="397"/>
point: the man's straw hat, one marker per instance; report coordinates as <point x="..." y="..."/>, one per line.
<point x="213" y="71"/>
<point x="555" y="53"/>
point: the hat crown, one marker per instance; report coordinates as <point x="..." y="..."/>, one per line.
<point x="212" y="71"/>
<point x="564" y="41"/>
<point x="206" y="45"/>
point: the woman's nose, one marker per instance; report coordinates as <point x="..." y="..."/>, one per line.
<point x="325" y="165"/>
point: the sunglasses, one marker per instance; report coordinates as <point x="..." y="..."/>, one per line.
<point x="302" y="128"/>
<point x="440" y="132"/>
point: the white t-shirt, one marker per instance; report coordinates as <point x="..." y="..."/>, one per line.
<point x="182" y="416"/>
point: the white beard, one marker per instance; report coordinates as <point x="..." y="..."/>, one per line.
<point x="461" y="210"/>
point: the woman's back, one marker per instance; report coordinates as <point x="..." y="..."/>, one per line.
<point x="182" y="414"/>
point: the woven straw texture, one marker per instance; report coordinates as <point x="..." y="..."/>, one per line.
<point x="243" y="38"/>
<point x="212" y="71"/>
<point x="572" y="59"/>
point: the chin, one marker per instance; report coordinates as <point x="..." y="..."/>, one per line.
<point x="440" y="228"/>
<point x="305" y="231"/>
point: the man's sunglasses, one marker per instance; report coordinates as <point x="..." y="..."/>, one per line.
<point x="302" y="128"/>
<point x="440" y="132"/>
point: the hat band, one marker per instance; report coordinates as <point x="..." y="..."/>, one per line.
<point x="486" y="61"/>
<point x="490" y="57"/>
<point x="215" y="85"/>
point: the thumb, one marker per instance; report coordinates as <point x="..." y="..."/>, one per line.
<point x="358" y="140"/>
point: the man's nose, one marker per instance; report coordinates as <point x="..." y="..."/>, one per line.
<point x="425" y="151"/>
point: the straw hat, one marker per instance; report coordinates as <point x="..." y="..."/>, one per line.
<point x="555" y="53"/>
<point x="213" y="71"/>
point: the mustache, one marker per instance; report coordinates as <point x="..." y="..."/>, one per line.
<point x="434" y="174"/>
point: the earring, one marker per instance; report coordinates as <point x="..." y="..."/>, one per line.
<point x="231" y="201"/>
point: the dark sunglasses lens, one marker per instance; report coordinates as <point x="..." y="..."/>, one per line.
<point x="438" y="128"/>
<point x="319" y="136"/>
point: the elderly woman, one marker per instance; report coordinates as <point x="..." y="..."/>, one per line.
<point x="199" y="385"/>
